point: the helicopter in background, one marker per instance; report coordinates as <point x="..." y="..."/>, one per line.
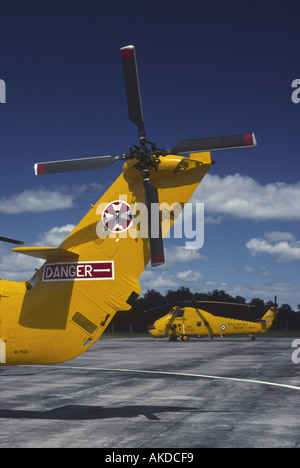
<point x="209" y="319"/>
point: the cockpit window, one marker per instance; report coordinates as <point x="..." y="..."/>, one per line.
<point x="180" y="313"/>
<point x="176" y="312"/>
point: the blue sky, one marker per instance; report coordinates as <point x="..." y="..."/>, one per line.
<point x="206" y="69"/>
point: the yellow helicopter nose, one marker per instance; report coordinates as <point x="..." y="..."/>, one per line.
<point x="154" y="332"/>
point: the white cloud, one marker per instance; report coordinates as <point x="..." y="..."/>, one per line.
<point x="242" y="197"/>
<point x="16" y="267"/>
<point x="285" y="251"/>
<point x="158" y="281"/>
<point x="55" y="236"/>
<point x="45" y="199"/>
<point x="36" y="201"/>
<point x="189" y="276"/>
<point x="179" y="254"/>
<point x="277" y="236"/>
<point x="170" y="280"/>
<point x="287" y="292"/>
<point x="256" y="271"/>
<point x="165" y="277"/>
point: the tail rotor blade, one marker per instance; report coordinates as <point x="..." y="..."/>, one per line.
<point x="215" y="143"/>
<point x="132" y="86"/>
<point x="11" y="241"/>
<point x="154" y="224"/>
<point x="71" y="165"/>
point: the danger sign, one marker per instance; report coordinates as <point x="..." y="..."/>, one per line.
<point x="81" y="271"/>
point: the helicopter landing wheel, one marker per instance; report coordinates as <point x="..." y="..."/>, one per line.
<point x="184" y="338"/>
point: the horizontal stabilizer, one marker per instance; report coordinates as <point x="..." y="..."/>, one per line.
<point x="46" y="253"/>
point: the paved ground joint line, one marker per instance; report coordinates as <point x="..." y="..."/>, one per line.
<point x="179" y="374"/>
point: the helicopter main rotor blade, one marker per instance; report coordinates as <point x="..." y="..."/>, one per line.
<point x="71" y="165"/>
<point x="132" y="87"/>
<point x="11" y="241"/>
<point x="154" y="224"/>
<point x="214" y="143"/>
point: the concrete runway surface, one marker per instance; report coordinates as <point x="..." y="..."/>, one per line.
<point x="140" y="392"/>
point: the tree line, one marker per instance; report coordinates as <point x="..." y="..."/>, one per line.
<point x="153" y="305"/>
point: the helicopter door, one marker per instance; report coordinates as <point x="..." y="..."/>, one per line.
<point x="2" y="352"/>
<point x="2" y="342"/>
<point x="179" y="322"/>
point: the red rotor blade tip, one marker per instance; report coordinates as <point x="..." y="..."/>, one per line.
<point x="127" y="52"/>
<point x="249" y="139"/>
<point x="157" y="259"/>
<point x="40" y="169"/>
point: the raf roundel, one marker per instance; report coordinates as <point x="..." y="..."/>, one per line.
<point x="117" y="216"/>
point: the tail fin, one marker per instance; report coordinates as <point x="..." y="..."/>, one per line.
<point x="95" y="271"/>
<point x="268" y="319"/>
